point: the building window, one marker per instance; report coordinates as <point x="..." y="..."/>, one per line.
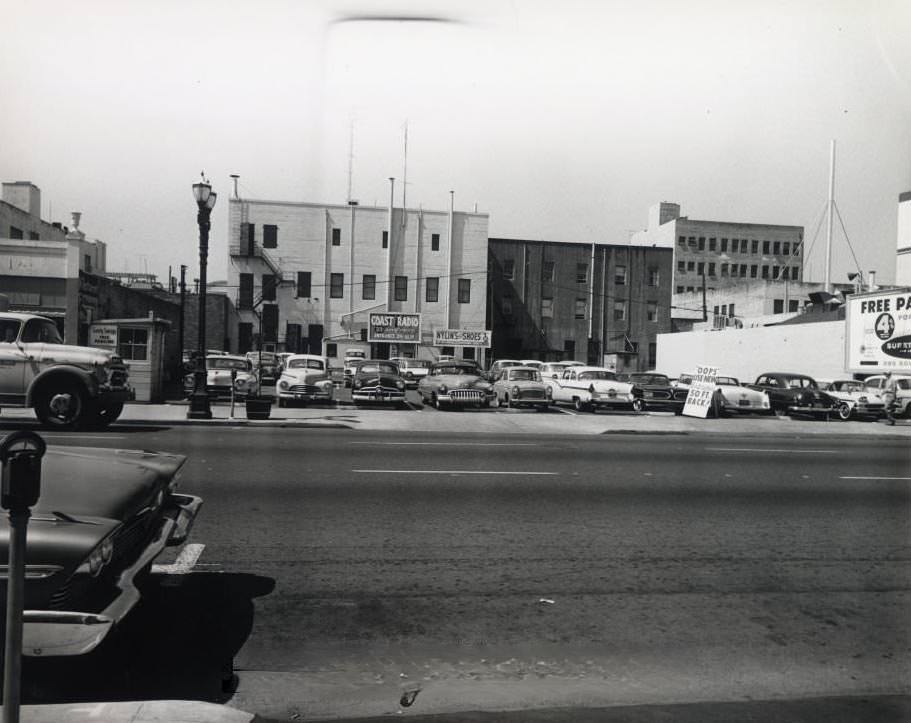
<point x="464" y="291"/>
<point x="700" y="268"/>
<point x="270" y="236"/>
<point x="447" y="350"/>
<point x="547" y="271"/>
<point x="712" y="244"/>
<point x="303" y="284"/>
<point x="244" y="337"/>
<point x="34" y="236"/>
<point x="331" y="349"/>
<point x="690" y="289"/>
<point x="88" y="263"/>
<point x="715" y="310"/>
<point x="765" y="248"/>
<point x="509" y="268"/>
<point x="724" y="309"/>
<point x="620" y="275"/>
<point x="269" y="285"/>
<point x="368" y="286"/>
<point x="724" y="245"/>
<point x="547" y="308"/>
<point x="793" y="305"/>
<point x="580" y="308"/>
<point x="681" y="266"/>
<point x="785" y="272"/>
<point x="247" y="239"/>
<point x="15" y="232"/>
<point x="753" y="270"/>
<point x="385" y="239"/>
<point x="654" y="276"/>
<point x="569" y="348"/>
<point x="690" y="265"/>
<point x="724" y="269"/>
<point x="711" y="268"/>
<point x="619" y="311"/>
<point x="581" y="273"/>
<point x="681" y="240"/>
<point x="701" y="246"/>
<point x="434" y="242"/>
<point x="336" y="237"/>
<point x="775" y="272"/>
<point x="765" y="272"/>
<point x="652" y="354"/>
<point x="133" y="344"/>
<point x="786" y="248"/>
<point x="432" y="289"/>
<point x="651" y="311"/>
<point x="401" y="288"/>
<point x="692" y="241"/>
<point x="776" y="248"/>
<point x="679" y="289"/>
<point x="795" y="272"/>
<point x="336" y="286"/>
<point x="731" y="310"/>
<point x="506" y="305"/>
<point x="245" y="292"/>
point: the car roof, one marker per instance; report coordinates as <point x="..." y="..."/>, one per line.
<point x="581" y="368"/>
<point x="306" y="356"/>
<point x="21" y="316"/>
<point x="227" y="356"/>
<point x="522" y="367"/>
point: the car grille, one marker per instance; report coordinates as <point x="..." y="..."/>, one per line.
<point x="219" y="389"/>
<point x="304" y="389"/>
<point x="531" y="394"/>
<point x="466" y="395"/>
<point x="118" y="377"/>
<point x="657" y="394"/>
<point x="60" y="600"/>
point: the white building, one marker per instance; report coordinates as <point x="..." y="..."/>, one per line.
<point x="903" y="249"/>
<point x="311" y="274"/>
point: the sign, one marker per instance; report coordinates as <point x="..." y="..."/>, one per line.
<point x="878" y="332"/>
<point x="400" y="328"/>
<point x="462" y="337"/>
<point x="103" y="335"/>
<point x="702" y="390"/>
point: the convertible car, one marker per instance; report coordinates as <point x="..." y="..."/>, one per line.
<point x="102" y="518"/>
<point x="731" y="396"/>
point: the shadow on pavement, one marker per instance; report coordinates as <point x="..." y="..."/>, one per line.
<point x="115" y="429"/>
<point x="178" y="643"/>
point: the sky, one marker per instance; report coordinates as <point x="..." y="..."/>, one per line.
<point x="564" y="121"/>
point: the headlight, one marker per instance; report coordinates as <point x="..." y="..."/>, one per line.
<point x="358" y="383"/>
<point x="443" y="389"/>
<point x="400" y="384"/>
<point x="98" y="558"/>
<point x="408" y="375"/>
<point x="240" y="383"/>
<point x="516" y="391"/>
<point x="189" y="379"/>
<point x="283" y="384"/>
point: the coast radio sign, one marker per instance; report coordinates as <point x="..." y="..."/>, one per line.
<point x="878" y="332"/>
<point x="462" y="337"/>
<point x="397" y="328"/>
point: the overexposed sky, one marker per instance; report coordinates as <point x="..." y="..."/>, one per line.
<point x="564" y="121"/>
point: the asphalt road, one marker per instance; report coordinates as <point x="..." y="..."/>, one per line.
<point x="341" y="569"/>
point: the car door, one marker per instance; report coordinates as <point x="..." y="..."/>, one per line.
<point x="13" y="361"/>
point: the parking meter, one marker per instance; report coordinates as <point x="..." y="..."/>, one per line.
<point x="20" y="455"/>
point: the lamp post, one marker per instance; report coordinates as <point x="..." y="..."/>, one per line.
<point x="199" y="399"/>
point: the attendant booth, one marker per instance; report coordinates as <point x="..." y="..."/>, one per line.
<point x="140" y="343"/>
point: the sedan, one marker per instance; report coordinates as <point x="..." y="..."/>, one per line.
<point x="791" y="393"/>
<point x="655" y="391"/>
<point x="224" y="372"/>
<point x="520" y="387"/>
<point x="377" y="381"/>
<point x="456" y="383"/>
<point x="102" y="518"/>
<point x="305" y="378"/>
<point x="590" y="388"/>
<point x="731" y="396"/>
<point x="854" y="399"/>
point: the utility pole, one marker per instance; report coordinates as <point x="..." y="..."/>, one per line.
<point x="831" y="214"/>
<point x="180" y="327"/>
<point x="705" y="309"/>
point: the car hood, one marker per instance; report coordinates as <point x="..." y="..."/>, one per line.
<point x="384" y="380"/>
<point x="458" y="380"/>
<point x="109" y="483"/>
<point x="310" y="376"/>
<point x="66" y="354"/>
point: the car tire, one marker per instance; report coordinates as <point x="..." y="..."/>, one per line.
<point x="638" y="405"/>
<point x="62" y="405"/>
<point x="541" y="408"/>
<point x="282" y="403"/>
<point x="844" y="411"/>
<point x="435" y="401"/>
<point x="509" y="402"/>
<point x="579" y="405"/>
<point x="103" y="416"/>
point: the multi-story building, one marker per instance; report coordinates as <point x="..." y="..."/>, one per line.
<point x="721" y="253"/>
<point x="599" y="303"/>
<point x="308" y="275"/>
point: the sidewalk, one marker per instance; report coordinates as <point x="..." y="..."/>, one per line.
<point x="151" y="711"/>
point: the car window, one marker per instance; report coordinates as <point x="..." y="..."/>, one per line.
<point x="9" y="330"/>
<point x="41" y="330"/>
<point x="904" y="384"/>
<point x="727" y="381"/>
<point x="597" y="374"/>
<point x="685" y="379"/>
<point x="525" y="375"/>
<point x="378" y="369"/>
<point x="223" y="363"/>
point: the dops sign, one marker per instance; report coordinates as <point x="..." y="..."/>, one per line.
<point x="399" y="328"/>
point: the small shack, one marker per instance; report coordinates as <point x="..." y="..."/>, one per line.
<point x="140" y="343"/>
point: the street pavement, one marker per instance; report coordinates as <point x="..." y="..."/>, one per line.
<point x="341" y="569"/>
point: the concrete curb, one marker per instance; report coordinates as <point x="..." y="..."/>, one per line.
<point x="147" y="711"/>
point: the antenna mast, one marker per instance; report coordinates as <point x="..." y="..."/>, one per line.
<point x="405" y="178"/>
<point x="350" y="156"/>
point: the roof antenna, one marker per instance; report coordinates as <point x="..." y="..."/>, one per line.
<point x="350" y="156"/>
<point x="405" y="178"/>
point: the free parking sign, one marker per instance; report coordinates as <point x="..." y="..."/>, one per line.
<point x="699" y="399"/>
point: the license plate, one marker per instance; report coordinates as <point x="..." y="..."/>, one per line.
<point x="744" y="403"/>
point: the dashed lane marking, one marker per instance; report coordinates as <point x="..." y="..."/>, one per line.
<point x="445" y="444"/>
<point x="451" y="471"/>
<point x="769" y="449"/>
<point x="878" y="478"/>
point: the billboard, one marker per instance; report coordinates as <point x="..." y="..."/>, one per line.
<point x="878" y="332"/>
<point x="397" y="328"/>
<point x="462" y="337"/>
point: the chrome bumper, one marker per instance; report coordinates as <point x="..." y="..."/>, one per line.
<point x="52" y="633"/>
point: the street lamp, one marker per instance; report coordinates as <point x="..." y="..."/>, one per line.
<point x="199" y="399"/>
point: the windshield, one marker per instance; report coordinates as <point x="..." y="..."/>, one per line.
<point x="649" y="379"/>
<point x="454" y="369"/>
<point x="41" y="330"/>
<point x="305" y="364"/>
<point x="727" y="381"/>
<point x="373" y="368"/>
<point x="598" y="374"/>
<point x="221" y="362"/>
<point x="528" y="375"/>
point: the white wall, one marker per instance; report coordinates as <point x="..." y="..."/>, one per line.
<point x="815" y="349"/>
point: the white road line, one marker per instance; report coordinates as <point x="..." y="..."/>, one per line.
<point x="769" y="449"/>
<point x="82" y="436"/>
<point x="446" y="444"/>
<point x="184" y="563"/>
<point x="448" y="471"/>
<point x="886" y="478"/>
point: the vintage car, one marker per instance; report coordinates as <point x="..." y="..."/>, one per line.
<point x="553" y="370"/>
<point x="102" y="518"/>
<point x="68" y="386"/>
<point x="377" y="380"/>
<point x="653" y="391"/>
<point x="520" y="387"/>
<point x="498" y="366"/>
<point x="855" y="399"/>
<point x="265" y="366"/>
<point x="791" y="393"/>
<point x="305" y="378"/>
<point x="412" y="370"/>
<point x="902" y="404"/>
<point x="456" y="383"/>
<point x="219" y="372"/>
<point x="590" y="388"/>
<point x="536" y="363"/>
<point x="352" y="358"/>
<point x="731" y="396"/>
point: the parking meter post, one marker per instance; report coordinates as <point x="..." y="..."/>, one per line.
<point x="233" y="382"/>
<point x="20" y="487"/>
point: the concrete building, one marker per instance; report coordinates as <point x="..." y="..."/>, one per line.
<point x="723" y="253"/>
<point x="598" y="303"/>
<point x="903" y="249"/>
<point x="311" y="274"/>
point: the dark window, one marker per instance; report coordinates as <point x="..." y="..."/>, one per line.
<point x="712" y="244"/>
<point x="580" y="308"/>
<point x="368" y="286"/>
<point x="785" y="272"/>
<point x="620" y="275"/>
<point x="774" y="272"/>
<point x="724" y="245"/>
<point x="32" y="236"/>
<point x="464" y="291"/>
<point x="793" y="304"/>
<point x="700" y="268"/>
<point x="331" y="349"/>
<point x="786" y="248"/>
<point x="701" y="246"/>
<point x="724" y="269"/>
<point x="754" y="247"/>
<point x="303" y="284"/>
<point x="269" y="284"/>
<point x="244" y="337"/>
<point x="547" y="271"/>
<point x="778" y="306"/>
<point x="293" y="338"/>
<point x="690" y="265"/>
<point x="270" y="323"/>
<point x="245" y="292"/>
<point x="336" y="237"/>
<point x="715" y="310"/>
<point x="247" y="239"/>
<point x="681" y="266"/>
<point x="731" y="310"/>
<point x="753" y="270"/>
<point x="651" y="311"/>
<point x="569" y="348"/>
<point x="468" y="352"/>
<point x="653" y="276"/>
<point x="765" y="248"/>
<point x="711" y="268"/>
<point x="652" y="354"/>
<point x="385" y="239"/>
<point x="679" y="289"/>
<point x="447" y="350"/>
<point x="795" y="272"/>
<point x="15" y="232"/>
<point x="270" y="236"/>
<point x="401" y="288"/>
<point x="765" y="272"/>
<point x="509" y="269"/>
<point x="581" y="273"/>
<point x="681" y="240"/>
<point x="133" y="344"/>
<point x="336" y="286"/>
<point x="88" y="263"/>
<point x="434" y="242"/>
<point x="432" y="289"/>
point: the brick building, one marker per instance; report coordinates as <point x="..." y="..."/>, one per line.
<point x="598" y="303"/>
